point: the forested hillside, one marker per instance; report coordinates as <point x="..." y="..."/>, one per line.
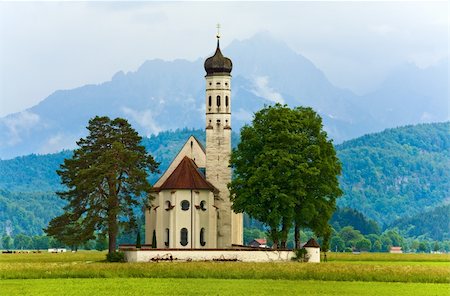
<point x="434" y="224"/>
<point x="398" y="172"/>
<point x="28" y="212"/>
<point x="397" y="178"/>
<point x="32" y="173"/>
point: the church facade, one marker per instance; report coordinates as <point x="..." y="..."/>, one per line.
<point x="190" y="206"/>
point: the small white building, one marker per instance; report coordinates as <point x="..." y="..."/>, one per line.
<point x="57" y="250"/>
<point x="396" y="250"/>
<point x="313" y="249"/>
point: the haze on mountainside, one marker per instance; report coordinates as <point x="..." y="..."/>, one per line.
<point x="164" y="95"/>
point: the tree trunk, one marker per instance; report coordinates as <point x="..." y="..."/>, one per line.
<point x="274" y="235"/>
<point x="297" y="236"/>
<point x="113" y="229"/>
<point x="275" y="244"/>
<point x="113" y="204"/>
<point x="284" y="235"/>
<point x="112" y="242"/>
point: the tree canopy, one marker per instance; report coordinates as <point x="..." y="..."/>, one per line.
<point x="285" y="172"/>
<point x="106" y="179"/>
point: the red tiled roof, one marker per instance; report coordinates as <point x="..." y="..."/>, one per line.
<point x="186" y="176"/>
<point x="311" y="244"/>
<point x="261" y="241"/>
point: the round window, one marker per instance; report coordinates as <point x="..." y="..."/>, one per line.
<point x="185" y="205"/>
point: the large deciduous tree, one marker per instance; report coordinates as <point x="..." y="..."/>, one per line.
<point x="285" y="172"/>
<point x="106" y="179"/>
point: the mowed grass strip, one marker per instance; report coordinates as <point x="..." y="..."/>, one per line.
<point x="331" y="271"/>
<point x="133" y="286"/>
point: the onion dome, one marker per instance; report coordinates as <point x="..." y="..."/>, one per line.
<point x="218" y="63"/>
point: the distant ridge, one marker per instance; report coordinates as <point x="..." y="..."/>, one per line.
<point x="164" y="95"/>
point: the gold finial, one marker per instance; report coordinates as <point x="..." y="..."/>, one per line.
<point x="218" y="31"/>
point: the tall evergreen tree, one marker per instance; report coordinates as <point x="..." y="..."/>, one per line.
<point x="106" y="179"/>
<point x="285" y="172"/>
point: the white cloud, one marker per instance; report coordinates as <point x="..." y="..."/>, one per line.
<point x="381" y="29"/>
<point x="243" y="115"/>
<point x="17" y="125"/>
<point x="41" y="40"/>
<point x="144" y="118"/>
<point x="427" y="117"/>
<point x="58" y="142"/>
<point x="262" y="89"/>
<point x="426" y="59"/>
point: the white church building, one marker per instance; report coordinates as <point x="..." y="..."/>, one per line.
<point x="190" y="205"/>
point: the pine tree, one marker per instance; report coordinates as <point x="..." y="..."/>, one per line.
<point x="106" y="179"/>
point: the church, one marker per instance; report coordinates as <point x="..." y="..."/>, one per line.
<point x="190" y="205"/>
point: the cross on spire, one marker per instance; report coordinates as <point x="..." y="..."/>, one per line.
<point x="218" y="31"/>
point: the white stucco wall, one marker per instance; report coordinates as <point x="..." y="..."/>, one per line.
<point x="160" y="218"/>
<point x="314" y="254"/>
<point x="209" y="255"/>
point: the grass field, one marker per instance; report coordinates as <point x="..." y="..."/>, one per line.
<point x="133" y="286"/>
<point x="85" y="273"/>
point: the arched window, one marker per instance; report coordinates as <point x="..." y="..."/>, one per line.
<point x="209" y="101"/>
<point x="202" y="237"/>
<point x="203" y="205"/>
<point x="167" y="237"/>
<point x="185" y="205"/>
<point x="184" y="237"/>
<point x="218" y="101"/>
<point x="226" y="101"/>
<point x="168" y="205"/>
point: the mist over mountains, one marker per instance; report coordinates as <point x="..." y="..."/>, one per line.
<point x="163" y="95"/>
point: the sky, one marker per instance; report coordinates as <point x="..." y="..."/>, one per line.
<point x="47" y="46"/>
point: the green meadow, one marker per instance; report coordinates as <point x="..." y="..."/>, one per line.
<point x="86" y="272"/>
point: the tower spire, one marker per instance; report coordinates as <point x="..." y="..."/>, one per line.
<point x="218" y="34"/>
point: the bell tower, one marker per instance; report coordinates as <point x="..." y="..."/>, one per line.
<point x="218" y="145"/>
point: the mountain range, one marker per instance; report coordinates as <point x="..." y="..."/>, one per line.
<point x="166" y="95"/>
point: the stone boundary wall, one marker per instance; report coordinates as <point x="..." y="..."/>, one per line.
<point x="154" y="255"/>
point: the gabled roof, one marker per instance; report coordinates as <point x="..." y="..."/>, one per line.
<point x="261" y="241"/>
<point x="186" y="176"/>
<point x="311" y="244"/>
<point x="193" y="149"/>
